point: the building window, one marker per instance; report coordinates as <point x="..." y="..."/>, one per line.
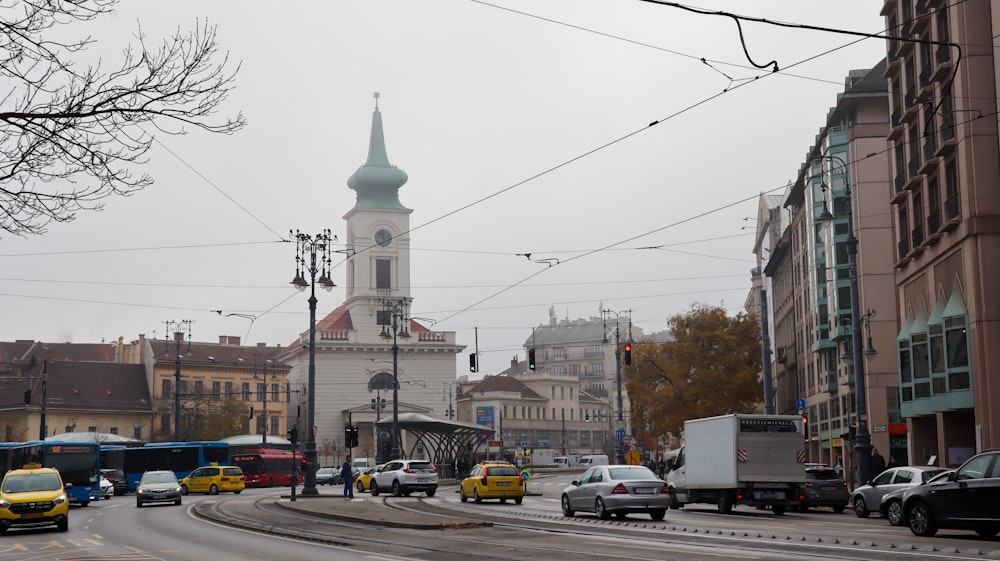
<point x="558" y="352"/>
<point x="229" y="390"/>
<point x="165" y="422"/>
<point x="216" y="390"/>
<point x="245" y="390"/>
<point x="137" y="433"/>
<point x="383" y="277"/>
<point x="113" y="430"/>
<point x="597" y="368"/>
<point x="165" y="389"/>
<point x="199" y="388"/>
<point x="261" y="392"/>
<point x="275" y="425"/>
<point x="275" y="392"/>
<point x="91" y="429"/>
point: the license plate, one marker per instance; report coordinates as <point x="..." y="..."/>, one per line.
<point x="422" y="480"/>
<point x="828" y="488"/>
<point x="503" y="483"/>
<point x="769" y="495"/>
<point x="643" y="490"/>
<point x="33" y="515"/>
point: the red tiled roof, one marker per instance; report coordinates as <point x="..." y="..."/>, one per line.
<point x="164" y="350"/>
<point x="22" y="352"/>
<point x="503" y="384"/>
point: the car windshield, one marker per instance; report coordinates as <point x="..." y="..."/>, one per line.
<point x="827" y="474"/>
<point x="640" y="473"/>
<point x="421" y="465"/>
<point x="501" y="470"/>
<point x="158" y="478"/>
<point x="31" y="482"/>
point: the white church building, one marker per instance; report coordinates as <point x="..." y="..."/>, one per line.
<point x="354" y="342"/>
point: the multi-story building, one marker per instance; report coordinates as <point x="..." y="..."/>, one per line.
<point x="214" y="378"/>
<point x="942" y="74"/>
<point x="810" y="306"/>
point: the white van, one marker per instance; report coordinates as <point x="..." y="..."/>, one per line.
<point x="363" y="463"/>
<point x="593" y="460"/>
<point x="560" y="461"/>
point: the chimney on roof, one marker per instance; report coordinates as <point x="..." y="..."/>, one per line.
<point x="261" y="345"/>
<point x="229" y="340"/>
<point x="514" y="361"/>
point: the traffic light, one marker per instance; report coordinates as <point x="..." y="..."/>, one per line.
<point x="350" y="436"/>
<point x="588" y="417"/>
<point x="628" y="354"/>
<point x="531" y="359"/>
<point x="472" y="362"/>
<point x="293" y="435"/>
<point x="250" y="413"/>
<point x="27" y="396"/>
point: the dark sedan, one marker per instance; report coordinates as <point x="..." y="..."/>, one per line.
<point x="824" y="487"/>
<point x="328" y="476"/>
<point x="968" y="500"/>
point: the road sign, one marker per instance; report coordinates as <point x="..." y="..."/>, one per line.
<point x="800" y="404"/>
<point x="633" y="458"/>
<point x="626" y="447"/>
<point x="525" y="475"/>
<point x="620" y="425"/>
<point x="619" y="436"/>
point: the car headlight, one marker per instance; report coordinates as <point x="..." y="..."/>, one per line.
<point x="4" y="503"/>
<point x="141" y="490"/>
<point x="59" y="500"/>
<point x="176" y="489"/>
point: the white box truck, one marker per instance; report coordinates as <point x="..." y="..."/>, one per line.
<point x="755" y="460"/>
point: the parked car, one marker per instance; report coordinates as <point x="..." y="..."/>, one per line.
<point x="214" y="480"/>
<point x="107" y="488"/>
<point x="966" y="500"/>
<point x="824" y="487"/>
<point x="405" y="477"/>
<point x="328" y="476"/>
<point x="363" y="480"/>
<point x="618" y="490"/>
<point x="33" y="498"/>
<point x="118" y="479"/>
<point x="869" y="497"/>
<point x="892" y="503"/>
<point x="159" y="486"/>
<point x="492" y="480"/>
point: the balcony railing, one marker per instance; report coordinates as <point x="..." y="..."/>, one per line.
<point x="951" y="207"/>
<point x="947" y="130"/>
<point x="930" y="147"/>
<point x="925" y="77"/>
<point x="921" y="8"/>
<point x="904" y="247"/>
<point x="917" y="235"/>
<point x="914" y="167"/>
<point x="900" y="181"/>
<point x="943" y="54"/>
<point x="933" y="221"/>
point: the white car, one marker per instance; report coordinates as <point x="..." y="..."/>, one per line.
<point x="107" y="488"/>
<point x="404" y="477"/>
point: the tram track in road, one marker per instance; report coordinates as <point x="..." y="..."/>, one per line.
<point x="520" y="536"/>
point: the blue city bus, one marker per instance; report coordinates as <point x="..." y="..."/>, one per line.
<point x="179" y="457"/>
<point x="78" y="463"/>
<point x="113" y="456"/>
<point x="7" y="456"/>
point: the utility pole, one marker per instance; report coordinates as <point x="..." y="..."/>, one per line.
<point x="178" y="330"/>
<point x="620" y="429"/>
<point x="42" y="429"/>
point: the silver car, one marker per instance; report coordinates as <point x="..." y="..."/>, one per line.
<point x="618" y="490"/>
<point x="157" y="487"/>
<point x="869" y="497"/>
<point x="403" y="477"/>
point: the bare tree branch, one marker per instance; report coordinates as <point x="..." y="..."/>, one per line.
<point x="69" y="138"/>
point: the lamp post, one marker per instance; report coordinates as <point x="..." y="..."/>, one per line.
<point x="620" y="432"/>
<point x="396" y="312"/>
<point x="378" y="404"/>
<point x="311" y="245"/>
<point x="862" y="440"/>
<point x="178" y="327"/>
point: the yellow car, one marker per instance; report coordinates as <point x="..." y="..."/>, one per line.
<point x="34" y="497"/>
<point x="214" y="480"/>
<point x="493" y="480"/>
<point x="364" y="481"/>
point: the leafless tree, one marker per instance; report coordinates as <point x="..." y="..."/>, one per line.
<point x="70" y="138"/>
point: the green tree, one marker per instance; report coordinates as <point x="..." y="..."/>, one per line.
<point x="70" y="136"/>
<point x="711" y="367"/>
<point x="221" y="422"/>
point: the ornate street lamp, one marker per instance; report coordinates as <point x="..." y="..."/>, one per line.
<point x="863" y="438"/>
<point x="311" y="245"/>
<point x="397" y="313"/>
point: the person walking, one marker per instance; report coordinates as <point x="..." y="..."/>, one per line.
<point x="838" y="466"/>
<point x="878" y="463"/>
<point x="347" y="474"/>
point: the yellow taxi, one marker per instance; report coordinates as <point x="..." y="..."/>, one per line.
<point x="492" y="480"/>
<point x="33" y="497"/>
<point x="364" y="481"/>
<point x="214" y="480"/>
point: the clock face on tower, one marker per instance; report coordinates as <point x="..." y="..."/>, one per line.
<point x="383" y="238"/>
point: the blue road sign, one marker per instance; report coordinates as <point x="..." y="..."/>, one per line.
<point x="800" y="404"/>
<point x="619" y="436"/>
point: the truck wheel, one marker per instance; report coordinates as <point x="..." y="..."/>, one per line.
<point x="780" y="509"/>
<point x="725" y="503"/>
<point x="674" y="503"/>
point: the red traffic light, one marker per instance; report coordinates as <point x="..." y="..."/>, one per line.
<point x="628" y="347"/>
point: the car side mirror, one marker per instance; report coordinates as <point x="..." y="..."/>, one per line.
<point x="68" y="486"/>
<point x="575" y="483"/>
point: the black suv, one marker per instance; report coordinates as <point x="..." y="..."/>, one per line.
<point x="117" y="478"/>
<point x="968" y="500"/>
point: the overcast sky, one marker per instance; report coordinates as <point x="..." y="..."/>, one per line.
<point x="523" y="126"/>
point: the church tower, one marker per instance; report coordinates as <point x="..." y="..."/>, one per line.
<point x="377" y="234"/>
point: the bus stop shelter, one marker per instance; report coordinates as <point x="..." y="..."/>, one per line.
<point x="443" y="440"/>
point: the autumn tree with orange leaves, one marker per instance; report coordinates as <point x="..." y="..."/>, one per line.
<point x="711" y="367"/>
